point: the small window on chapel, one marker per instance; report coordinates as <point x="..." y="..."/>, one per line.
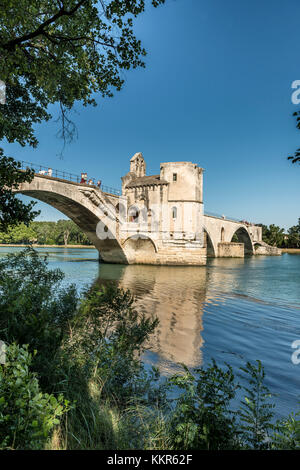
<point x="174" y="176"/>
<point x="174" y="212"/>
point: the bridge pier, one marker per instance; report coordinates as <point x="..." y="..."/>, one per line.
<point x="231" y="250"/>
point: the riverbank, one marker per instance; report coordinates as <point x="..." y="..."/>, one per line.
<point x="290" y="250"/>
<point x="34" y="245"/>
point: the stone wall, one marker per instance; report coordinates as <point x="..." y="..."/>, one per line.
<point x="267" y="250"/>
<point x="185" y="181"/>
<point x="230" y="250"/>
<point x="172" y="255"/>
<point x="146" y="251"/>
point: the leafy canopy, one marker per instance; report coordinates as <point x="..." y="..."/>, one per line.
<point x="12" y="210"/>
<point x="273" y="235"/>
<point x="59" y="51"/>
<point x="62" y="51"/>
<point x="294" y="235"/>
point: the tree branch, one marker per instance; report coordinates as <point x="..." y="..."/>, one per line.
<point x="79" y="38"/>
<point x="41" y="29"/>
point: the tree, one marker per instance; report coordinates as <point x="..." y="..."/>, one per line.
<point x="45" y="232"/>
<point x="61" y="51"/>
<point x="272" y="235"/>
<point x="296" y="157"/>
<point x="67" y="232"/>
<point x="294" y="236"/>
<point x="62" y="232"/>
<point x="12" y="210"/>
<point x="18" y="234"/>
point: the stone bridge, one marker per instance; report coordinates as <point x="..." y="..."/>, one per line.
<point x="84" y="205"/>
<point x="230" y="238"/>
<point x="148" y="223"/>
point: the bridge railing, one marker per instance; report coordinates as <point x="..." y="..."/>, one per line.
<point x="65" y="175"/>
<point x="225" y="217"/>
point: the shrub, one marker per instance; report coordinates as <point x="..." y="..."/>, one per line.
<point x="202" y="418"/>
<point x="27" y="416"/>
<point x="108" y="339"/>
<point x="91" y="353"/>
<point x="35" y="310"/>
<point x="287" y="433"/>
<point x="256" y="411"/>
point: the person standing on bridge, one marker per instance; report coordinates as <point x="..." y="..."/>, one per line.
<point x="83" y="178"/>
<point x="99" y="184"/>
<point x="49" y="171"/>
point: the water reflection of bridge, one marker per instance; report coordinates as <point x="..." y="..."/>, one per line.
<point x="176" y="296"/>
<point x="179" y="296"/>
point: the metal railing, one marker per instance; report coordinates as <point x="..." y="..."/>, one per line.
<point x="225" y="217"/>
<point x="65" y="175"/>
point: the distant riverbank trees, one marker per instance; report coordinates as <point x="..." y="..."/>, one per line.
<point x="276" y="236"/>
<point x="62" y="232"/>
<point x="66" y="232"/>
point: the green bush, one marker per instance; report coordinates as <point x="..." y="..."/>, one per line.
<point x="27" y="416"/>
<point x="256" y="410"/>
<point x="287" y="433"/>
<point x="35" y="310"/>
<point x="90" y="351"/>
<point x="108" y="339"/>
<point x="104" y="367"/>
<point x="202" y="418"/>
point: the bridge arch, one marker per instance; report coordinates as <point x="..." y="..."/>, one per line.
<point x="210" y="247"/>
<point x="140" y="249"/>
<point x="90" y="209"/>
<point x="257" y="244"/>
<point x="243" y="236"/>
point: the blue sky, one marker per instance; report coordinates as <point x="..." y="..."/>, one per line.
<point x="216" y="91"/>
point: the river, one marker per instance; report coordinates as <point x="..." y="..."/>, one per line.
<point x="232" y="310"/>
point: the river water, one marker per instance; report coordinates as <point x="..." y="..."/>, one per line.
<point x="232" y="310"/>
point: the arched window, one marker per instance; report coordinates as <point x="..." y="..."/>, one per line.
<point x="133" y="214"/>
<point x="222" y="234"/>
<point x="174" y="212"/>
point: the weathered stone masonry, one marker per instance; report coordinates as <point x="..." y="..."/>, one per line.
<point x="159" y="219"/>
